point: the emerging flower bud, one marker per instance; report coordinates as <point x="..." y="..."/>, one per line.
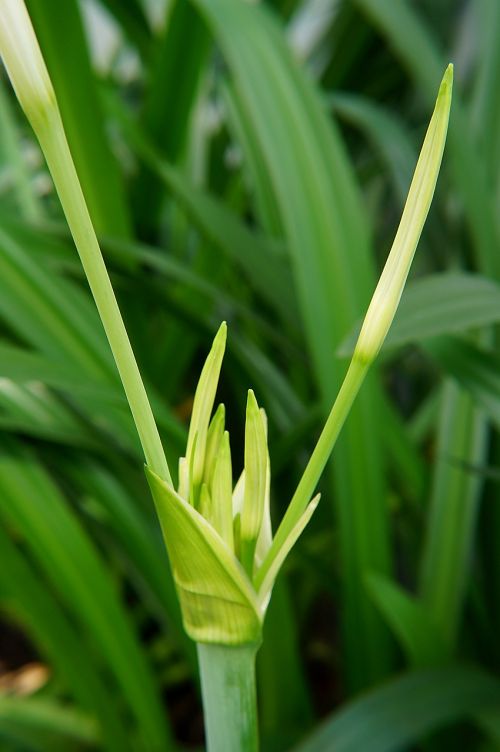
<point x="24" y="63"/>
<point x="221" y="548"/>
<point x="390" y="286"/>
<point x="256" y="458"/>
<point x="216" y="537"/>
<point x="202" y="409"/>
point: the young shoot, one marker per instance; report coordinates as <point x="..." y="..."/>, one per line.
<point x="218" y="535"/>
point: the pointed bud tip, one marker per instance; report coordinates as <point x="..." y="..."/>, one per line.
<point x="447" y="82"/>
<point x="314" y="502"/>
<point x="252" y="400"/>
<point x="219" y="341"/>
<point x="24" y="63"/>
<point x="221" y="410"/>
<point x="222" y="332"/>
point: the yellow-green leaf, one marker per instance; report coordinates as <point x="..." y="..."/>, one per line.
<point x="217" y="600"/>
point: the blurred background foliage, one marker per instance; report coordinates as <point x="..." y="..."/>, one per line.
<point x="249" y="161"/>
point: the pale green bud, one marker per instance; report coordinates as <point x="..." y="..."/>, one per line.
<point x="205" y="504"/>
<point x="256" y="457"/>
<point x="24" y="63"/>
<point x="214" y="438"/>
<point x="217" y="537"/>
<point x="222" y="493"/>
<point x="266" y="534"/>
<point x="202" y="409"/>
<point x="388" y="292"/>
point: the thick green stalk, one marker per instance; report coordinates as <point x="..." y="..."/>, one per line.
<point x="50" y="132"/>
<point x="229" y="697"/>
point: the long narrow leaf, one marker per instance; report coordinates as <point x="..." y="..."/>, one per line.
<point x="32" y="504"/>
<point x="451" y="527"/>
<point x="32" y="606"/>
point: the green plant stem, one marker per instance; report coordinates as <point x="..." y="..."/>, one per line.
<point x="354" y="377"/>
<point x="229" y="697"/>
<point x="52" y="138"/>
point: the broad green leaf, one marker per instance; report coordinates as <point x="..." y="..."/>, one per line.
<point x="404" y="711"/>
<point x="475" y="369"/>
<point x="440" y="304"/>
<point x="444" y="304"/>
